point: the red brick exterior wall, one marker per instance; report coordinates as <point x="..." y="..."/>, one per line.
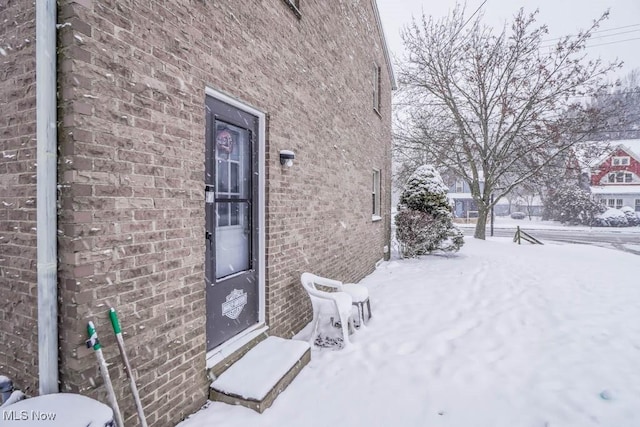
<point x="132" y="78"/>
<point x="18" y="292"/>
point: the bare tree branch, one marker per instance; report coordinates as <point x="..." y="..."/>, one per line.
<point x="495" y="108"/>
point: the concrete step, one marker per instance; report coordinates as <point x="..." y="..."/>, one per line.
<point x="257" y="378"/>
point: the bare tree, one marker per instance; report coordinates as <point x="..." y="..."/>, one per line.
<point x="525" y="196"/>
<point x="497" y="108"/>
<point x="624" y="100"/>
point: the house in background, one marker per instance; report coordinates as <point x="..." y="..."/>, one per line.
<point x="464" y="206"/>
<point x="615" y="177"/>
<point x="461" y="200"/>
<point x="178" y="202"/>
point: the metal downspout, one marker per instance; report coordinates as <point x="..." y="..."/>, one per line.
<point x="46" y="195"/>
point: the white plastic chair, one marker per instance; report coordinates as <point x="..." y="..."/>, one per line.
<point x="328" y="303"/>
<point x="360" y="297"/>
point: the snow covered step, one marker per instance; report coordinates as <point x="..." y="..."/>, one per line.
<point x="262" y="374"/>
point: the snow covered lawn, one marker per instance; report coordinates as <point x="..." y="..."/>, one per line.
<point x="536" y="223"/>
<point x="498" y="335"/>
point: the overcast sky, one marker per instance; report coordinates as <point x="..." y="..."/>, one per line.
<point x="618" y="36"/>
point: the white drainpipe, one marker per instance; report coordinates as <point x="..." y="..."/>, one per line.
<point x="46" y="197"/>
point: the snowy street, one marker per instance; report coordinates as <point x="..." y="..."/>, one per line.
<point x="498" y="335"/>
<point x="620" y="238"/>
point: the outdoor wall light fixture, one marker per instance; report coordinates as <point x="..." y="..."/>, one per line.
<point x="286" y="157"/>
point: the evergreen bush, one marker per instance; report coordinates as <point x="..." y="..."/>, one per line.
<point x="424" y="223"/>
<point x="632" y="216"/>
<point x="573" y="205"/>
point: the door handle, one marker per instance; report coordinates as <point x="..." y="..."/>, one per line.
<point x="208" y="236"/>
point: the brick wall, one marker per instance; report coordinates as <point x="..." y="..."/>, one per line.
<point x="132" y="78"/>
<point x="132" y="201"/>
<point x="319" y="211"/>
<point x="18" y="293"/>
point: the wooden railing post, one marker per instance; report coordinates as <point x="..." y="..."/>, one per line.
<point x="526" y="236"/>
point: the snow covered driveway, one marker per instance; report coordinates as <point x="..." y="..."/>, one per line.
<point x="498" y="335"/>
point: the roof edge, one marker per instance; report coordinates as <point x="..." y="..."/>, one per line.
<point x="387" y="58"/>
<point x="613" y="149"/>
<point x="622" y="146"/>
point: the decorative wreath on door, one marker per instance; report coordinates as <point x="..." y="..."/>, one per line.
<point x="224" y="141"/>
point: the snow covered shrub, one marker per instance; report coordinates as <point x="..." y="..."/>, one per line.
<point x="454" y="240"/>
<point x="632" y="216"/>
<point x="426" y="192"/>
<point x="600" y="222"/>
<point x="518" y="215"/>
<point x="418" y="233"/>
<point x="612" y="218"/>
<point x="425" y="223"/>
<point x="572" y="205"/>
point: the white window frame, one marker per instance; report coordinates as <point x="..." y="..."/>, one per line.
<point x="375" y="196"/>
<point x="376" y="87"/>
<point x="620" y="161"/>
<point x="459" y="186"/>
<point x="615" y="203"/>
<point x="637" y="205"/>
<point x="620" y="177"/>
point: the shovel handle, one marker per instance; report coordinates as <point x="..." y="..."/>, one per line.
<point x="114" y="321"/>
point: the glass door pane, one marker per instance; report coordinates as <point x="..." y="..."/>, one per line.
<point x="233" y="238"/>
<point x="233" y="199"/>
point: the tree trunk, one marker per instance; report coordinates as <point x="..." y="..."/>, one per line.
<point x="481" y="225"/>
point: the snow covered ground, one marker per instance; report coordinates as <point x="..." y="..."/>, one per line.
<point x="537" y="224"/>
<point x="499" y="335"/>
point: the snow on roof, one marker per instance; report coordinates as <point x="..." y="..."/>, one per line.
<point x="616" y="189"/>
<point x="633" y="145"/>
<point x="630" y="145"/>
<point x="253" y="376"/>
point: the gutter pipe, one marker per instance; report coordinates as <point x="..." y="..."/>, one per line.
<point x="46" y="195"/>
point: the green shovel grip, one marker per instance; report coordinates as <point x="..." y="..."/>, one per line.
<point x="114" y="321"/>
<point x="93" y="337"/>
